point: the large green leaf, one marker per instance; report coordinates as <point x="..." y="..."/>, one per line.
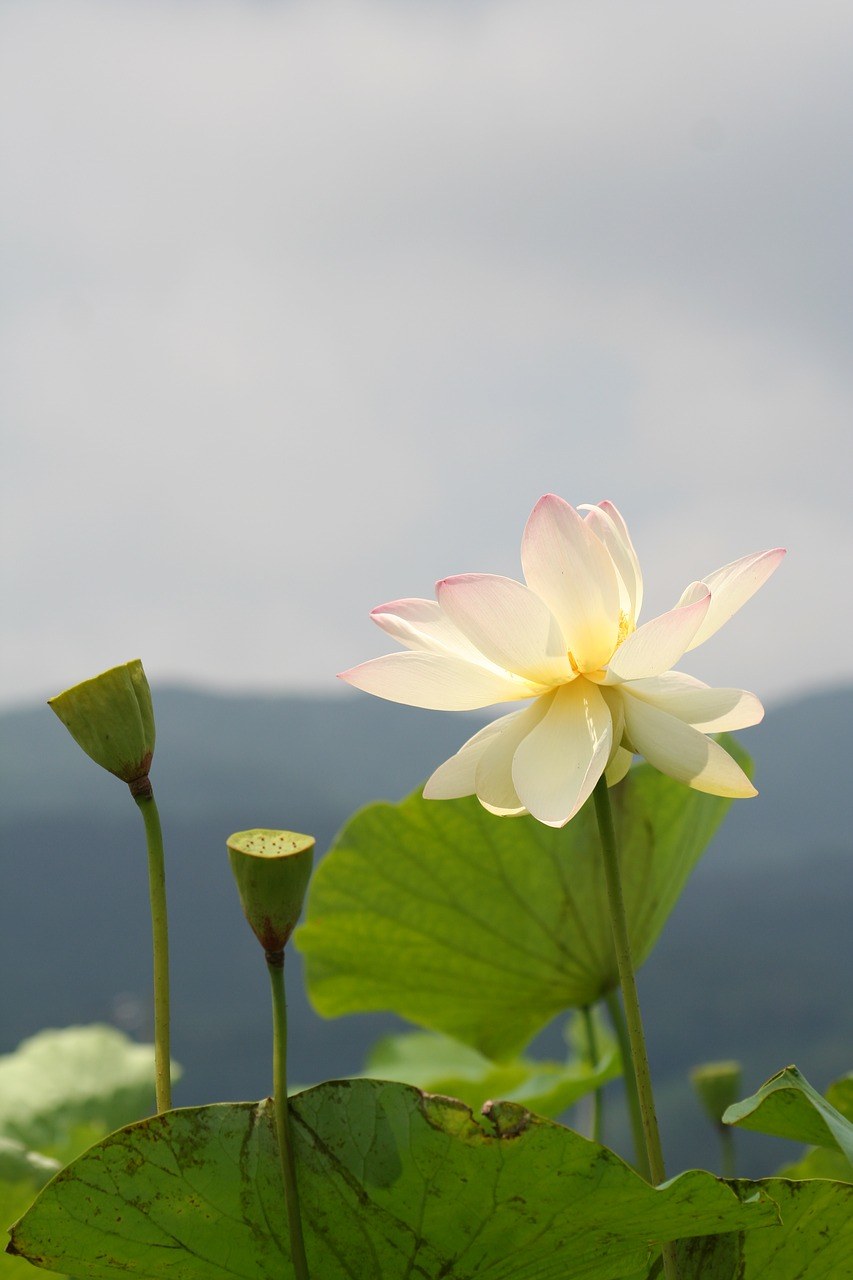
<point x="394" y="1184"/>
<point x="814" y="1242"/>
<point x="787" y="1106"/>
<point x="22" y="1174"/>
<point x="440" y="1064"/>
<point x="484" y="928"/>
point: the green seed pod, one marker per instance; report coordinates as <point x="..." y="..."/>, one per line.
<point x="717" y="1085"/>
<point x="112" y="719"/>
<point x="272" y="870"/>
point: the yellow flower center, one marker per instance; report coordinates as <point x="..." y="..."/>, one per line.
<point x="626" y="626"/>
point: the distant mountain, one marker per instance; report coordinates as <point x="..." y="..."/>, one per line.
<point x="755" y="962"/>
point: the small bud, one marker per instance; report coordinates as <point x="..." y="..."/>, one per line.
<point x="112" y="719"/>
<point x="272" y="870"/>
<point x="717" y="1085"/>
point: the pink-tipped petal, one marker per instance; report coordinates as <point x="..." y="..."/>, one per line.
<point x="457" y="776"/>
<point x="682" y="752"/>
<point x="658" y="645"/>
<point x="559" y="762"/>
<point x="709" y="710"/>
<point x="438" y="682"/>
<point x="691" y="593"/>
<point x="571" y="570"/>
<point x="611" y="529"/>
<point x="421" y="625"/>
<point x="732" y="586"/>
<point x="508" y="623"/>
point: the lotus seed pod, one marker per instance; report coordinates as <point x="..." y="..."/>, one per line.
<point x="272" y="870"/>
<point x="717" y="1085"/>
<point x="112" y="719"/>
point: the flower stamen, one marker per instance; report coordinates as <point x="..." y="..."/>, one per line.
<point x="626" y="626"/>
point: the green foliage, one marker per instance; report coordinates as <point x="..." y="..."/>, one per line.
<point x="484" y="928"/>
<point x="393" y="1184"/>
<point x="787" y="1106"/>
<point x="60" y="1086"/>
<point x="60" y="1091"/>
<point x="439" y="1064"/>
<point x="819" y="1162"/>
<point x="826" y="1162"/>
<point x="840" y="1095"/>
<point x="813" y="1242"/>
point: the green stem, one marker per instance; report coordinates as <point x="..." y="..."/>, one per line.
<point x="727" y="1151"/>
<point x="597" y="1125"/>
<point x="275" y="964"/>
<point x="160" y="938"/>
<point x="630" y="999"/>
<point x="620" y="1026"/>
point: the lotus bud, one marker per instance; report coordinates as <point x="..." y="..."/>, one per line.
<point x="112" y="719"/>
<point x="717" y="1085"/>
<point x="272" y="870"/>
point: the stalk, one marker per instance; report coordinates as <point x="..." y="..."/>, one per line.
<point x="620" y="1026"/>
<point x="597" y="1123"/>
<point x="160" y="939"/>
<point x="275" y="965"/>
<point x="727" y="1151"/>
<point x="631" y="1002"/>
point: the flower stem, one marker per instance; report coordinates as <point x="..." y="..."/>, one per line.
<point x="275" y="964"/>
<point x="160" y="938"/>
<point x="628" y="982"/>
<point x="727" y="1151"/>
<point x="620" y="1026"/>
<point x="597" y="1124"/>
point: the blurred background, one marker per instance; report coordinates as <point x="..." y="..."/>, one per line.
<point x="304" y="306"/>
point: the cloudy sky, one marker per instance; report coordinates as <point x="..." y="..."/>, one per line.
<point x="305" y="304"/>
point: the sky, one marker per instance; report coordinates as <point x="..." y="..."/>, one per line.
<point x="306" y="304"/>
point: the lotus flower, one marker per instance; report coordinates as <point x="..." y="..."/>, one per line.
<point x="601" y="686"/>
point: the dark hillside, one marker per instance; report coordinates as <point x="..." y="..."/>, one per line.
<point x="755" y="962"/>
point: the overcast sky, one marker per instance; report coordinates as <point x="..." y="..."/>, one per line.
<point x="305" y="304"/>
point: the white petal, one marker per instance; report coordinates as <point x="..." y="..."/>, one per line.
<point x="658" y="645"/>
<point x="612" y="531"/>
<point x="457" y="776"/>
<point x="421" y="625"/>
<point x="681" y="751"/>
<point x="437" y="681"/>
<point x="566" y="564"/>
<point x="559" y="762"/>
<point x="508" y="623"/>
<point x="709" y="710"/>
<point x="613" y="699"/>
<point x="494" y="785"/>
<point x="620" y="763"/>
<point x="616" y="516"/>
<point x="733" y="585"/>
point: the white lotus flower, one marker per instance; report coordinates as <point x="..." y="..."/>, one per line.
<point x="601" y="686"/>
